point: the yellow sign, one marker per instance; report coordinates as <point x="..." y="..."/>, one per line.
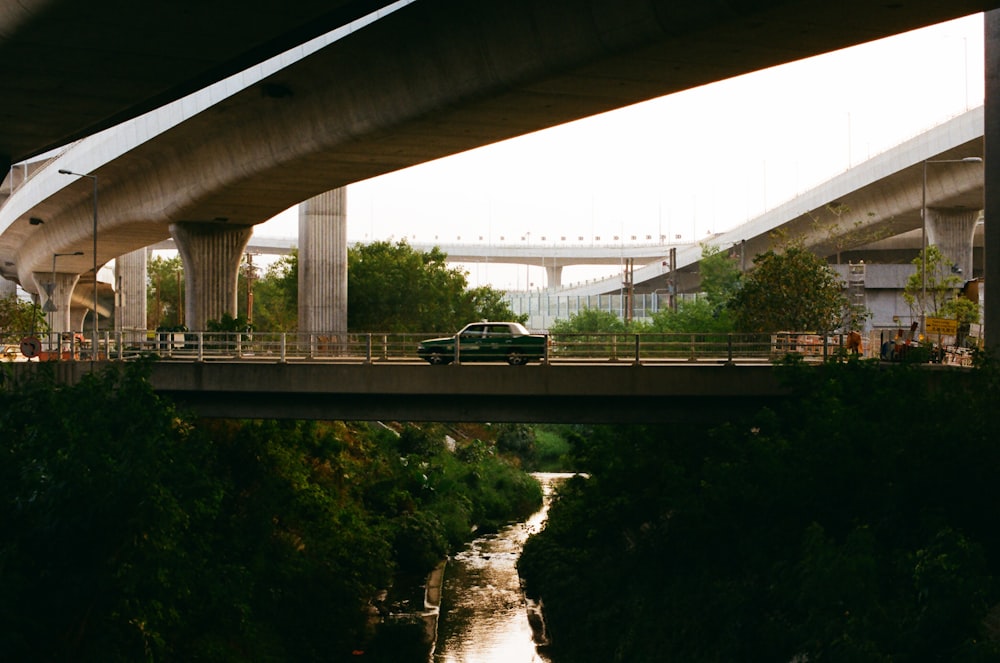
<point x="942" y="326"/>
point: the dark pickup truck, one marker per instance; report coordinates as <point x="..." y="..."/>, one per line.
<point x="486" y="341"/>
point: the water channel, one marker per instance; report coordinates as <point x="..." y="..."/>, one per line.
<point x="484" y="618"/>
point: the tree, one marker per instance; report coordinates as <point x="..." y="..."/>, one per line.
<point x="165" y="293"/>
<point x="720" y="281"/>
<point x="692" y="315"/>
<point x="18" y="317"/>
<point x="792" y="290"/>
<point x="395" y="288"/>
<point x="591" y="321"/>
<point x="276" y="296"/>
<point x="132" y="533"/>
<point x="720" y="276"/>
<point x="936" y="297"/>
<point x="852" y="522"/>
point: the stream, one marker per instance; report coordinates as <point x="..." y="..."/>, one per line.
<point x="484" y="615"/>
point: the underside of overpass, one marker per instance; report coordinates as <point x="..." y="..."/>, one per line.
<point x="69" y="69"/>
<point x="434" y="78"/>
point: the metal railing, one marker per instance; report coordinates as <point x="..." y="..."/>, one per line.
<point x="642" y="348"/>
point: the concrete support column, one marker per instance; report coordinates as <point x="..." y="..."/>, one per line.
<point x="130" y="287"/>
<point x="991" y="173"/>
<point x="952" y="232"/>
<point x="553" y="276"/>
<point x="78" y="316"/>
<point x="7" y="288"/>
<point x="211" y="253"/>
<point x="323" y="263"/>
<point x="60" y="320"/>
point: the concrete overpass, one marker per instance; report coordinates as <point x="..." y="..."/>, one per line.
<point x="68" y="70"/>
<point x="453" y="77"/>
<point x="599" y="393"/>
<point x="871" y="212"/>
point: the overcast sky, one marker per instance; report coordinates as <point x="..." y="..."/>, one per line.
<point x="687" y="165"/>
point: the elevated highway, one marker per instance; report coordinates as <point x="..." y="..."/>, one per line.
<point x="431" y="78"/>
<point x="870" y="213"/>
<point x="69" y="69"/>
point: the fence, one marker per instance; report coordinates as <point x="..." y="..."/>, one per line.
<point x="644" y="348"/>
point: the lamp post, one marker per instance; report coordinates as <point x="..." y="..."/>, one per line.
<point x="96" y="345"/>
<point x="923" y="234"/>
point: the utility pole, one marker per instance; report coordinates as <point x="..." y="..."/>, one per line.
<point x="629" y="287"/>
<point x="251" y="275"/>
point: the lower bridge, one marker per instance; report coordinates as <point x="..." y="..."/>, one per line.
<point x="553" y="393"/>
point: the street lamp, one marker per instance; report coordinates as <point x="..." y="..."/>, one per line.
<point x="923" y="234"/>
<point x="95" y="346"/>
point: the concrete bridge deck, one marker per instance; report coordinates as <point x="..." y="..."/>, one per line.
<point x="596" y="393"/>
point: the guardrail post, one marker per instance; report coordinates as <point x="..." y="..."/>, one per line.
<point x="368" y="348"/>
<point x="826" y="346"/>
<point x="458" y="350"/>
<point x="694" y="351"/>
<point x="284" y="347"/>
<point x="636" y="349"/>
<point x="614" y="347"/>
<point x="201" y="346"/>
<point x="729" y="349"/>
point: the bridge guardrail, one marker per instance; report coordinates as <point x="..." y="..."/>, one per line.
<point x="642" y="348"/>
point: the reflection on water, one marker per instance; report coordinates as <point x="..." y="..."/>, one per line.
<point x="483" y="617"/>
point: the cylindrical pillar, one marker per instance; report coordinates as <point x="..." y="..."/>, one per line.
<point x="553" y="276"/>
<point x="211" y="253"/>
<point x="952" y="232"/>
<point x="130" y="281"/>
<point x="323" y="264"/>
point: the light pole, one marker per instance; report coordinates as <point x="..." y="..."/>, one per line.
<point x="94" y="348"/>
<point x="923" y="234"/>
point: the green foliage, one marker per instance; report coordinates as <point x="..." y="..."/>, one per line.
<point x="134" y="534"/>
<point x="854" y="522"/>
<point x="228" y="324"/>
<point x="593" y="331"/>
<point x="165" y="293"/>
<point x="517" y="439"/>
<point x="720" y="281"/>
<point x="938" y="295"/>
<point x="590" y="320"/>
<point x="18" y="318"/>
<point x="395" y="288"/>
<point x="487" y="303"/>
<point x="789" y="291"/>
<point x="692" y="315"/>
<point x="720" y="276"/>
<point x="276" y="296"/>
<point x="552" y="450"/>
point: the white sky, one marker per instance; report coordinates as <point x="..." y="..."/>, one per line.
<point x="688" y="164"/>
